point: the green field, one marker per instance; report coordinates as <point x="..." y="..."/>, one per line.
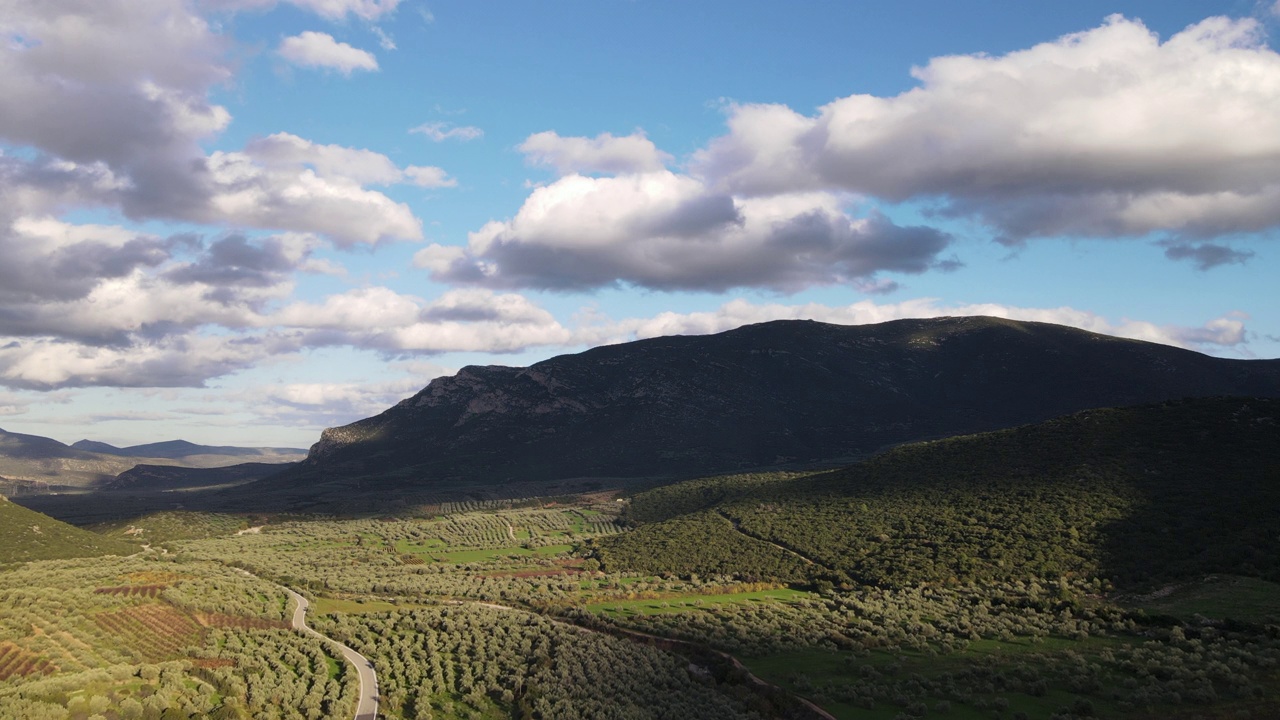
<point x="1220" y="597"/>
<point x="460" y="557"/>
<point x="689" y="603"/>
<point x="982" y="578"/>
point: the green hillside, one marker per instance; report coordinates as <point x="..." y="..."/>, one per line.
<point x="28" y="535"/>
<point x="1131" y="496"/>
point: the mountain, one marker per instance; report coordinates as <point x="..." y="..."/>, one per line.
<point x="175" y="449"/>
<point x="28" y="535"/>
<point x="167" y="477"/>
<point x="35" y="462"/>
<point x="32" y="463"/>
<point x="1141" y="496"/>
<point x="772" y="394"/>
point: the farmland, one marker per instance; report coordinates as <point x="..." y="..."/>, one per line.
<point x="716" y="597"/>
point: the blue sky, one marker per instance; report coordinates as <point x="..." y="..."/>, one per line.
<point x="242" y="221"/>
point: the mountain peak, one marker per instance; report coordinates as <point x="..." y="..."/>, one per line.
<point x="774" y="393"/>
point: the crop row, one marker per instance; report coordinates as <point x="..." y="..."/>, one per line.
<point x="16" y="661"/>
<point x="153" y="631"/>
<point x="239" y="622"/>
<point x="132" y="590"/>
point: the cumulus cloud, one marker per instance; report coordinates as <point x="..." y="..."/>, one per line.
<point x="604" y="153"/>
<point x="176" y="361"/>
<point x="441" y="131"/>
<point x="334" y="403"/>
<point x="1110" y="132"/>
<point x="380" y="319"/>
<point x="46" y="260"/>
<point x="286" y="182"/>
<point x="1104" y="133"/>
<point x="1227" y="332"/>
<point x="234" y="261"/>
<point x="668" y="231"/>
<point x="320" y="50"/>
<point x="101" y="286"/>
<point x="144" y="76"/>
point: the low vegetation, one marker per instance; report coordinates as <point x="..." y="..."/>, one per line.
<point x="1136" y="497"/>
<point x="148" y="637"/>
<point x="26" y="535"/>
<point x="997" y="576"/>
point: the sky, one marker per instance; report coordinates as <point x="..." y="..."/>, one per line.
<point x="243" y="221"/>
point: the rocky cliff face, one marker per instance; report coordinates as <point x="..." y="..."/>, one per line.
<point x="761" y="395"/>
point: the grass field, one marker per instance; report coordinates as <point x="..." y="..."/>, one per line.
<point x="1220" y="597"/>
<point x="820" y="674"/>
<point x="461" y="557"/>
<point x="689" y="603"/>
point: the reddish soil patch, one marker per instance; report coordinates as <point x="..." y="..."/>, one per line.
<point x="153" y="631"/>
<point x="132" y="590"/>
<point x="218" y="620"/>
<point x="20" y="662"/>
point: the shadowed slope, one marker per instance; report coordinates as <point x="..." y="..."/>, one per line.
<point x="28" y="535"/>
<point x="1137" y="495"/>
<point x="785" y="392"/>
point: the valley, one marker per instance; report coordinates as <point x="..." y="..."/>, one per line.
<point x="1115" y="561"/>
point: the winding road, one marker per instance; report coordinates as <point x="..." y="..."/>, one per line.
<point x="367" y="708"/>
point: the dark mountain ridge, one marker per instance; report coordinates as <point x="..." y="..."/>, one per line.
<point x="174" y="449"/>
<point x="776" y="393"/>
<point x="145" y="477"/>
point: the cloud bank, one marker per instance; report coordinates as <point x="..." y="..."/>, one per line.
<point x="1104" y="133"/>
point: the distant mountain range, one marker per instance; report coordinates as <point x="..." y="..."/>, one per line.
<point x="31" y="463"/>
<point x="784" y="393"/>
<point x="174" y="449"/>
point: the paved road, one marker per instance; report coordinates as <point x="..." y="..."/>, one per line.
<point x="367" y="708"/>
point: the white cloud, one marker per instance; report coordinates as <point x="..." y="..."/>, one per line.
<point x="12" y="404"/>
<point x="140" y="69"/>
<point x="439" y="260"/>
<point x="335" y="10"/>
<point x="288" y="151"/>
<point x="384" y="40"/>
<point x="177" y="361"/>
<point x="319" y="50"/>
<point x="441" y="131"/>
<point x="306" y="196"/>
<point x="604" y="153"/>
<point x="144" y="75"/>
<point x="429" y="176"/>
<point x="289" y="182"/>
<point x="377" y="318"/>
<point x="1107" y="132"/>
<point x="668" y="231"/>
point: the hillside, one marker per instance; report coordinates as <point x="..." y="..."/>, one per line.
<point x="28" y="535"/>
<point x="177" y="449"/>
<point x="32" y="462"/>
<point x="774" y="394"/>
<point x="35" y="464"/>
<point x="165" y="477"/>
<point x="1138" y="496"/>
